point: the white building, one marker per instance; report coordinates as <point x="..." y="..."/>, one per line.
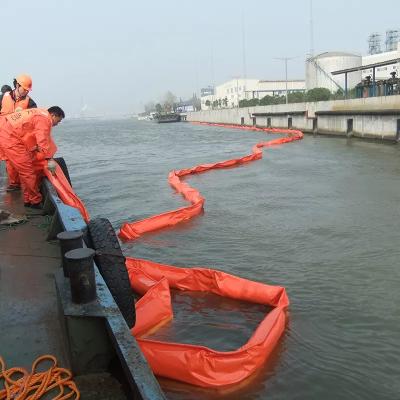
<point x="382" y="73"/>
<point x="276" y="88"/>
<point x="231" y="92"/>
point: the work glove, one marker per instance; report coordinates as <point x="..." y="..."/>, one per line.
<point x="52" y="166"/>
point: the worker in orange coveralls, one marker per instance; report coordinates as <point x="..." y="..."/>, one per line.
<point x="12" y="101"/>
<point x="17" y="99"/>
<point x="25" y="136"/>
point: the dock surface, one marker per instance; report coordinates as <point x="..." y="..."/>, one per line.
<point x="29" y="322"/>
<point x="28" y="306"/>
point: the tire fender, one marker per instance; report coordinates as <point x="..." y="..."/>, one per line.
<point x="111" y="263"/>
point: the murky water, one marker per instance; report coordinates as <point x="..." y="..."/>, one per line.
<point x="319" y="216"/>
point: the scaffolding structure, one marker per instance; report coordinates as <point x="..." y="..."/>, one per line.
<point x="392" y="38"/>
<point x="374" y="43"/>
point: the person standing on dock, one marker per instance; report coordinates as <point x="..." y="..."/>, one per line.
<point x="17" y="99"/>
<point x="24" y="136"/>
<point x="12" y="101"/>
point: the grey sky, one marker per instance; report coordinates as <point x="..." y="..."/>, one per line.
<point x="117" y="55"/>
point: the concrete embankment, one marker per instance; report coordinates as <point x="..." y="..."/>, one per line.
<point x="373" y="118"/>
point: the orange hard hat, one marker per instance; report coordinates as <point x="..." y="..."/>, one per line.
<point x="25" y="81"/>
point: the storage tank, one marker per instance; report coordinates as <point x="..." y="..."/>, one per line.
<point x="319" y="68"/>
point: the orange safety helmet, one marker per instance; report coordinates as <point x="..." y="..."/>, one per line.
<point x="25" y="81"/>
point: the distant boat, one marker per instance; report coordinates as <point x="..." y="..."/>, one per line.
<point x="171" y="117"/>
<point x="146" y="117"/>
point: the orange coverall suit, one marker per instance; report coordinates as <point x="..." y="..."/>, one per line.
<point x="24" y="137"/>
<point x="8" y="106"/>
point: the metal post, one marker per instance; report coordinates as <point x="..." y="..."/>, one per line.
<point x="345" y="85"/>
<point x="237" y="92"/>
<point x="286" y="60"/>
<point x="69" y="240"/>
<point x="81" y="273"/>
<point x="373" y="81"/>
<point x="311" y="31"/>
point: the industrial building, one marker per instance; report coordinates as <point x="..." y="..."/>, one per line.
<point x="384" y="71"/>
<point x="276" y="88"/>
<point x="319" y="69"/>
<point x="229" y="93"/>
<point x="374" y="74"/>
<point x="207" y="91"/>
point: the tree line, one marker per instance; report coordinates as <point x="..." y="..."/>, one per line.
<point x="312" y="95"/>
<point x="316" y="94"/>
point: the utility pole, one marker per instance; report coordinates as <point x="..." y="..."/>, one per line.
<point x="286" y="59"/>
<point x="244" y="47"/>
<point x="212" y="71"/>
<point x="244" y="57"/>
<point x="237" y="91"/>
<point x="311" y="30"/>
<point x="237" y="77"/>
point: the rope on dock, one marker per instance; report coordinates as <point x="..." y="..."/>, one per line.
<point x="37" y="385"/>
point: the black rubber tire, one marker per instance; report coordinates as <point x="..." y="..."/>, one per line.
<point x="111" y="263"/>
<point x="63" y="165"/>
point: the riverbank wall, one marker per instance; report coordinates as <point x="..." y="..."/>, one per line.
<point x="369" y="118"/>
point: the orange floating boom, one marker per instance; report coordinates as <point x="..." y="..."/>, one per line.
<point x="197" y="365"/>
<point x="133" y="230"/>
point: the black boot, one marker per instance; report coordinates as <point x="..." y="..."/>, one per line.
<point x="13" y="188"/>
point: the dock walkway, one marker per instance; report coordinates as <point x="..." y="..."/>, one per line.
<point x="29" y="323"/>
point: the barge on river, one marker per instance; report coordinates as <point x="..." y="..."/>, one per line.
<point x="170" y="117"/>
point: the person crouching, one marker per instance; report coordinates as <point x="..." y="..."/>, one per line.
<point x="24" y="136"/>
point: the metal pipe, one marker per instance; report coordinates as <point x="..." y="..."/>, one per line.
<point x="373" y="81"/>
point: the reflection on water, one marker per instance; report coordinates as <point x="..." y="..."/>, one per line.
<point x="318" y="216"/>
<point x="206" y="319"/>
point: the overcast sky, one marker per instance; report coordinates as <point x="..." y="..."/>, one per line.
<point x="114" y="56"/>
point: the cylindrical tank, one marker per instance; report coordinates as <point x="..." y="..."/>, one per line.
<point x="319" y="68"/>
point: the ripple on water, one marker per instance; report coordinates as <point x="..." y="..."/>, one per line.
<point x="318" y="216"/>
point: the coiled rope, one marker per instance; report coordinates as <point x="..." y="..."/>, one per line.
<point x="35" y="385"/>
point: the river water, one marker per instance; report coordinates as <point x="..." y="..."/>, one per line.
<point x="319" y="216"/>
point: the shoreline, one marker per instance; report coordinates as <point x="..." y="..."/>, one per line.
<point x="375" y="118"/>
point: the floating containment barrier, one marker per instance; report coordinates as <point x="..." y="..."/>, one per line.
<point x="197" y="365"/>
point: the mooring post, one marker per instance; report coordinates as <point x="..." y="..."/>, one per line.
<point x="69" y="240"/>
<point x="81" y="274"/>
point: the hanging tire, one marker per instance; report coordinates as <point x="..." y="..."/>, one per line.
<point x="111" y="263"/>
<point x="63" y="165"/>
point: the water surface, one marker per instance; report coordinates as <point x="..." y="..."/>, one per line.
<point x="319" y="216"/>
